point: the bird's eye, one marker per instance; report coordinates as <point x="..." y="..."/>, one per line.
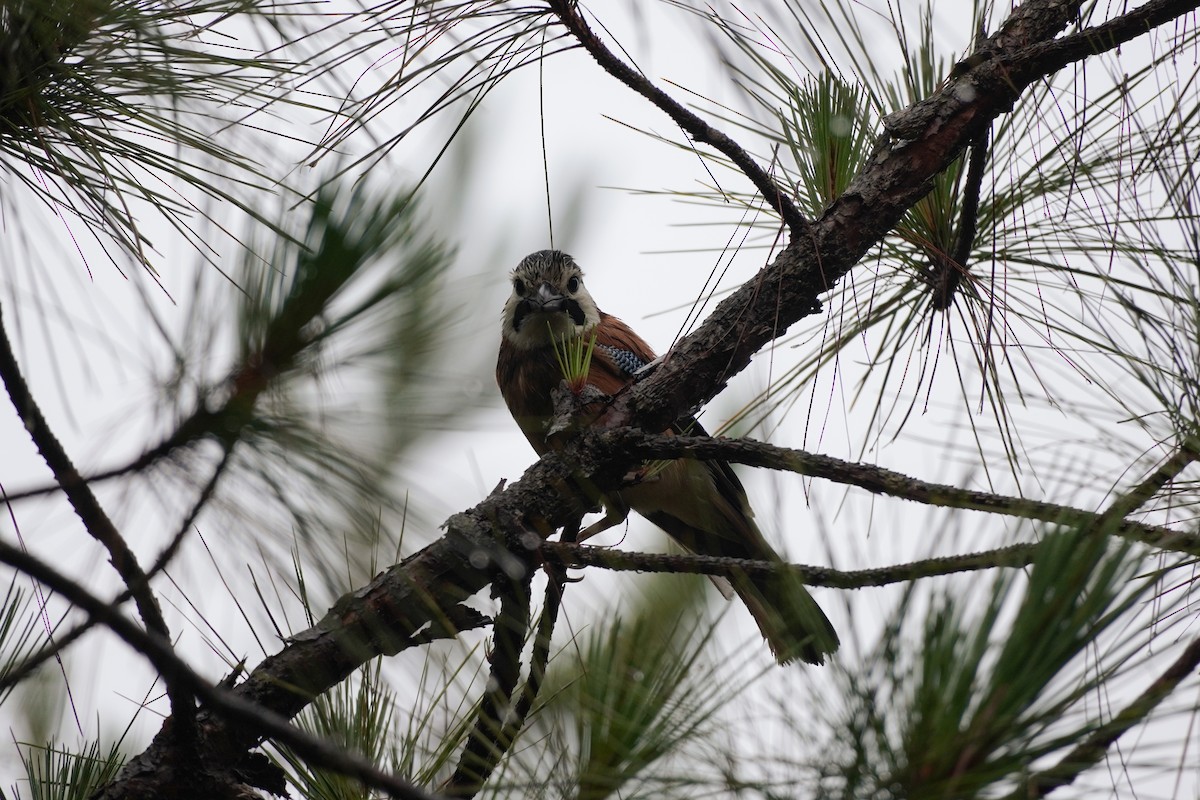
<point x="573" y="285"/>
<point x="519" y="287"/>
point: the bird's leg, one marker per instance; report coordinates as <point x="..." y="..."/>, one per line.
<point x="615" y="512"/>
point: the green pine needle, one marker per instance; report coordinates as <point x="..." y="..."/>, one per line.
<point x="54" y="773"/>
<point x="357" y="716"/>
<point x="989" y="691"/>
<point x="640" y="693"/>
<point x="574" y="356"/>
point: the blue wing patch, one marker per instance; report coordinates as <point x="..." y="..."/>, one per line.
<point x="625" y="360"/>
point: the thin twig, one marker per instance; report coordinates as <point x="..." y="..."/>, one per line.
<point x="949" y="272"/>
<point x="541" y="652"/>
<point x="95" y="520"/>
<point x="61" y="643"/>
<point x="140" y="463"/>
<point x="540" y="657"/>
<point x="895" y="484"/>
<point x="775" y="195"/>
<point x="568" y="554"/>
<point x="180" y="678"/>
<point x="1132" y="500"/>
<point x="470" y="777"/>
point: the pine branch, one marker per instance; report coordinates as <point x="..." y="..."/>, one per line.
<point x="566" y="554"/>
<point x="777" y="197"/>
<point x="948" y="272"/>
<point x="879" y="480"/>
<point x="138" y="464"/>
<point x="1053" y="54"/>
<point x="502" y="713"/>
<point x="90" y="88"/>
<point x="388" y="615"/>
<point x="486" y="743"/>
<point x="540" y="657"/>
<point x="1090" y="751"/>
<point x="36" y="46"/>
<point x="181" y="679"/>
<point x="918" y="143"/>
<point x="95" y="520"/>
<point x="62" y="642"/>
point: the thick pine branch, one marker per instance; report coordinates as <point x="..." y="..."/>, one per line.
<point x="920" y="142"/>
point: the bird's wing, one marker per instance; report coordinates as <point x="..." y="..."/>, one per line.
<point x="619" y="353"/>
<point x="703" y="506"/>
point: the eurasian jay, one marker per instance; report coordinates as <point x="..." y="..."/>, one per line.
<point x="700" y="504"/>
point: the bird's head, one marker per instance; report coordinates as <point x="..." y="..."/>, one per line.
<point x="548" y="301"/>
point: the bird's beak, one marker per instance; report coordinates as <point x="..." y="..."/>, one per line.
<point x="546" y="300"/>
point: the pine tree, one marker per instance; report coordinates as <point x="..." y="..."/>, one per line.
<point x="972" y="244"/>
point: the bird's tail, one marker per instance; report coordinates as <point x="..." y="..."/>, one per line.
<point x="790" y="620"/>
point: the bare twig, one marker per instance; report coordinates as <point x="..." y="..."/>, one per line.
<point x="776" y="196"/>
<point x="888" y="482"/>
<point x="541" y="652"/>
<point x="948" y="272"/>
<point x="138" y="464"/>
<point x="61" y="643"/>
<point x="498" y="726"/>
<point x="95" y="520"/>
<point x="581" y="555"/>
<point x="486" y="744"/>
<point x="1167" y="471"/>
<point x="540" y="657"/>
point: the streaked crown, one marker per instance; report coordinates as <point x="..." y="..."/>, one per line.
<point x="548" y="301"/>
